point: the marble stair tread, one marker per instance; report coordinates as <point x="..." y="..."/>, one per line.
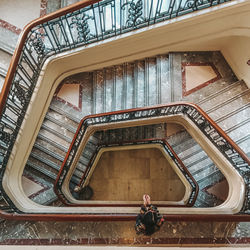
<point x="220" y="88"/>
<point x="176" y="139"/>
<point x="60" y="131"/>
<point x="7" y="48"/>
<point x="183" y="147"/>
<point x="130" y="85"/>
<point x="66" y="111"/>
<point x="62" y="117"/>
<point x="200" y="166"/>
<point x="212" y="179"/>
<point x="53" y="132"/>
<point x="82" y="167"/>
<point x="190" y="151"/>
<point x="61" y="124"/>
<point x="52" y="142"/>
<point x="240" y="130"/>
<point x="45" y="162"/>
<point x="8" y="39"/>
<point x="50" y="164"/>
<point x="225" y="95"/>
<point x="83" y="161"/>
<point x="62" y="144"/>
<point x="199" y="177"/>
<point x="232" y="107"/>
<point x="244" y="144"/>
<point x="208" y="200"/>
<point x="235" y="117"/>
<point x="49" y="148"/>
<point x="45" y="198"/>
<point x="49" y="152"/>
<point x="46" y="167"/>
<point x="41" y="170"/>
<point x="195" y="159"/>
<point x="236" y="120"/>
<point x="229" y="105"/>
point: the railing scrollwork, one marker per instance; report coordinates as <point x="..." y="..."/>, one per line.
<point x="202" y="122"/>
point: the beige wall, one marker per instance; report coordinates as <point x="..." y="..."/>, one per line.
<point x="237" y="53"/>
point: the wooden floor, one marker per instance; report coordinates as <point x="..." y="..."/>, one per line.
<point x="127" y="175"/>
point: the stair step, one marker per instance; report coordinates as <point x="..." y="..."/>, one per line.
<point x="64" y="113"/>
<point x="61" y="123"/>
<point x="44" y="171"/>
<point x="235" y="117"/>
<point x="219" y="92"/>
<point x="127" y="85"/>
<point x="239" y="131"/>
<point x="49" y="152"/>
<point x="54" y="136"/>
<point x="230" y="105"/>
<point x="54" y="131"/>
<point x="52" y="142"/>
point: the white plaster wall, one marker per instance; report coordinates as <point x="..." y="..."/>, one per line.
<point x="18" y="12"/>
<point x="237" y="53"/>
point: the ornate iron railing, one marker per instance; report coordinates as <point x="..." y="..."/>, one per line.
<point x="203" y="123"/>
<point x="73" y="27"/>
<point x="167" y="148"/>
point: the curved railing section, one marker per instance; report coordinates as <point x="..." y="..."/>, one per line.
<point x="194" y="188"/>
<point x="198" y="117"/>
<point x="76" y="26"/>
<point x="226" y="154"/>
<point x="72" y="27"/>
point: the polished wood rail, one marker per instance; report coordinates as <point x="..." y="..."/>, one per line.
<point x="20" y="215"/>
<point x="169" y="151"/>
<point x="23" y="37"/>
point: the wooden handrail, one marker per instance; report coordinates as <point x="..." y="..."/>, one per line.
<point x="218" y="129"/>
<point x="93" y="217"/>
<point x="22" y="39"/>
<point x="119" y="205"/>
<point x="196" y="107"/>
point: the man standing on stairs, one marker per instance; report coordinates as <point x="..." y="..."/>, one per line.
<point x="149" y="219"/>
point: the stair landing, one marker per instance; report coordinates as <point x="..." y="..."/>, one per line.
<point x="127" y="175"/>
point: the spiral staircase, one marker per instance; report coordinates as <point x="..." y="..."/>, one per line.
<point x="134" y="103"/>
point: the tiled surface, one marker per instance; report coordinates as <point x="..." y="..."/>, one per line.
<point x="122" y="233"/>
<point x="127" y="175"/>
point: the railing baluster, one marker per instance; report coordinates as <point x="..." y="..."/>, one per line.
<point x="42" y="40"/>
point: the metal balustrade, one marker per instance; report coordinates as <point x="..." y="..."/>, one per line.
<point x="167" y="150"/>
<point x="191" y="111"/>
<point x="77" y="26"/>
<point x="68" y="29"/>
